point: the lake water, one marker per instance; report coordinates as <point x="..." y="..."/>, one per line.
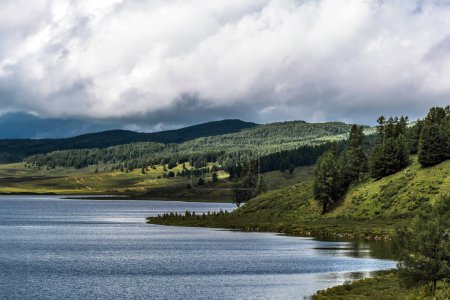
<point x="52" y="248"/>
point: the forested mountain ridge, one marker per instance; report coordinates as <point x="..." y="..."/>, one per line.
<point x="227" y="149"/>
<point x="14" y="150"/>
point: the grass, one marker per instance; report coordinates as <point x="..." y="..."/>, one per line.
<point x="17" y="178"/>
<point x="398" y="196"/>
<point x="370" y="210"/>
<point x="384" y="286"/>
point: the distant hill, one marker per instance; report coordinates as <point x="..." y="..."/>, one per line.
<point x="303" y="141"/>
<point x="13" y="150"/>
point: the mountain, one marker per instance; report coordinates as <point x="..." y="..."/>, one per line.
<point x="12" y="150"/>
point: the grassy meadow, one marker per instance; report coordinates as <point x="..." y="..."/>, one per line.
<point x="99" y="180"/>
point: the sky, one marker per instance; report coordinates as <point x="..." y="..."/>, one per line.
<point x="74" y="66"/>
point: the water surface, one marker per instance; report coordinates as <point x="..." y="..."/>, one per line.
<point x="53" y="248"/>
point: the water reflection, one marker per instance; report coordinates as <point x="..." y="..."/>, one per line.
<point x="358" y="249"/>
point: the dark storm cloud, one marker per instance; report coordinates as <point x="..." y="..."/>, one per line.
<point x="23" y="125"/>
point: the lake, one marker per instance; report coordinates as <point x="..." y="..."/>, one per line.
<point x="52" y="248"/>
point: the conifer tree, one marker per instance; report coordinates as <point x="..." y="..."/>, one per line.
<point x="328" y="183"/>
<point x="391" y="152"/>
<point x="423" y="249"/>
<point x="434" y="143"/>
<point x="354" y="160"/>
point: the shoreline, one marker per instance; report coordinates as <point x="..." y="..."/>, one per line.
<point x="306" y="229"/>
<point x="134" y="198"/>
<point x="115" y="197"/>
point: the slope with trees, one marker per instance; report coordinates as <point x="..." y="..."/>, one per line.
<point x="277" y="146"/>
<point x="15" y="150"/>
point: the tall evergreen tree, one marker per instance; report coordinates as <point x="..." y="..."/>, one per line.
<point x="391" y="152"/>
<point x="434" y="143"/>
<point x="423" y="249"/>
<point x="354" y="159"/>
<point x="328" y="183"/>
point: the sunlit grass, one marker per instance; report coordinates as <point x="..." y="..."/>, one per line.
<point x="18" y="178"/>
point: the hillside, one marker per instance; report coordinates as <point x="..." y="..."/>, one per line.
<point x="12" y="150"/>
<point x="139" y="168"/>
<point x="236" y="147"/>
<point x="370" y="209"/>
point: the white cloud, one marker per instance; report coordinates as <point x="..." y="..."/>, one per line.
<point x="311" y="59"/>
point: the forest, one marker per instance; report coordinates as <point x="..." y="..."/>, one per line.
<point x="15" y="150"/>
<point x="277" y="146"/>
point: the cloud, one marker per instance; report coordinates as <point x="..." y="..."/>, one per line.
<point x="261" y="60"/>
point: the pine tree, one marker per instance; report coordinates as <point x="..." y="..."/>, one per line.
<point x="328" y="183"/>
<point x="423" y="249"/>
<point x="432" y="146"/>
<point x="391" y="153"/>
<point x="354" y="160"/>
<point x="434" y="143"/>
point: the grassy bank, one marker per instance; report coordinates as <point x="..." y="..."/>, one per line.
<point x="383" y="286"/>
<point x="370" y="210"/>
<point x="296" y="213"/>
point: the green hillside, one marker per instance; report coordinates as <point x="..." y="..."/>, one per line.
<point x="12" y="150"/>
<point x="370" y="209"/>
<point x="137" y="168"/>
<point x="239" y="147"/>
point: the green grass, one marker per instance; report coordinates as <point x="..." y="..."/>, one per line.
<point x="370" y="210"/>
<point x="397" y="196"/>
<point x="384" y="286"/>
<point x="16" y="178"/>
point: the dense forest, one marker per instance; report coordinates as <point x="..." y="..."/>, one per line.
<point x="277" y="146"/>
<point x="17" y="150"/>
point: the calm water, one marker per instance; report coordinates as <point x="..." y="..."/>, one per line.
<point x="52" y="248"/>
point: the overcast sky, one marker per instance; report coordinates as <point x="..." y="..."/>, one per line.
<point x="150" y="64"/>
